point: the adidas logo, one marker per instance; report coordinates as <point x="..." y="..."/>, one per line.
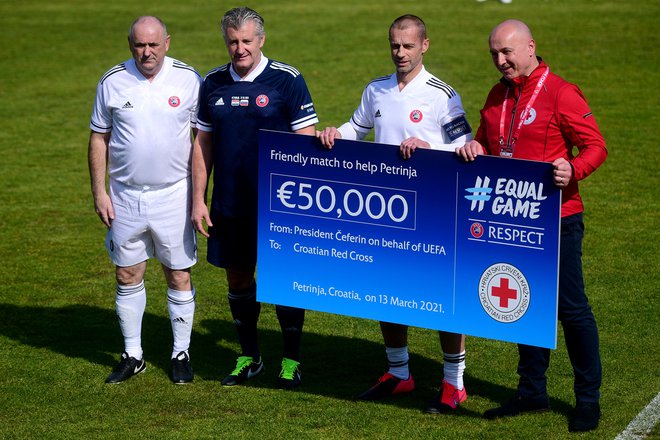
<point x="179" y="320"/>
<point x="127" y="105"/>
<point x="377" y="115"/>
<point x="220" y="101"/>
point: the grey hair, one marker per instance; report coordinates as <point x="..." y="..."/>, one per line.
<point x="237" y="17"/>
<point x="145" y="18"/>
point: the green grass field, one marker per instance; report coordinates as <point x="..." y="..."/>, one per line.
<point x="58" y="331"/>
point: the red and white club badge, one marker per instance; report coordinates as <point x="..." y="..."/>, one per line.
<point x="174" y="101"/>
<point x="416" y="116"/>
<point x="477" y="230"/>
<point x="262" y="101"/>
<point x="504" y="292"/>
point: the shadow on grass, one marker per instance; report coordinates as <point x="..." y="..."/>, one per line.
<point x="333" y="366"/>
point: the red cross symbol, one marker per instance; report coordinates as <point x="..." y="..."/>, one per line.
<point x="504" y="293"/>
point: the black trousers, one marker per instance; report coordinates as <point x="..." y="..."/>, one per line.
<point x="577" y="320"/>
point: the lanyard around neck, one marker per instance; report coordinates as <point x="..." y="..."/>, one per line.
<point x="506" y="150"/>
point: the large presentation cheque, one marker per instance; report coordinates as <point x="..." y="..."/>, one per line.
<point x="430" y="241"/>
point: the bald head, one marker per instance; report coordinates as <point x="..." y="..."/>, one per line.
<point x="509" y="27"/>
<point x="513" y="49"/>
<point x="148" y="20"/>
<point x="148" y="42"/>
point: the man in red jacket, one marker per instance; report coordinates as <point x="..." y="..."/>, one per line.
<point x="534" y="114"/>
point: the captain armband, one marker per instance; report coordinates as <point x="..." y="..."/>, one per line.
<point x="457" y="128"/>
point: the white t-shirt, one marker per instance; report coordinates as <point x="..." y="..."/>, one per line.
<point x="150" y="122"/>
<point x="426" y="108"/>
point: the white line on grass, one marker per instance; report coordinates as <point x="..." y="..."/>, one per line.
<point x="643" y="423"/>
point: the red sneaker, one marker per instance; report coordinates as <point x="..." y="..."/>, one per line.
<point x="447" y="399"/>
<point x="388" y="385"/>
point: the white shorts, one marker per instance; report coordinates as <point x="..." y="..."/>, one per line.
<point x="152" y="220"/>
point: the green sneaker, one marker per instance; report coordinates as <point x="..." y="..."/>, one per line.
<point x="245" y="369"/>
<point x="290" y="375"/>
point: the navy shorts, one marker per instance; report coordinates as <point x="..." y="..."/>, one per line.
<point x="232" y="242"/>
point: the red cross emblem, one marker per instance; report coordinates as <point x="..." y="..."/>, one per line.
<point x="504" y="293"/>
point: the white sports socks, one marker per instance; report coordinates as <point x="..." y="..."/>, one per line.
<point x="130" y="303"/>
<point x="397" y="359"/>
<point x="181" y="305"/>
<point x="454" y="366"/>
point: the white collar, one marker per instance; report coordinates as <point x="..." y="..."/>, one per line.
<point x="252" y="75"/>
<point x="132" y="65"/>
<point x="421" y="76"/>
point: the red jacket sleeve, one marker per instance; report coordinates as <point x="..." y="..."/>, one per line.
<point x="579" y="127"/>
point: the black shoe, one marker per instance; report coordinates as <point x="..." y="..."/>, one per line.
<point x="182" y="372"/>
<point x="517" y="405"/>
<point x="585" y="417"/>
<point x="128" y="367"/>
<point x="289" y="377"/>
<point x="245" y="369"/>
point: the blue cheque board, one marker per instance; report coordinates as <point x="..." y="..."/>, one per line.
<point x="431" y="241"/>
